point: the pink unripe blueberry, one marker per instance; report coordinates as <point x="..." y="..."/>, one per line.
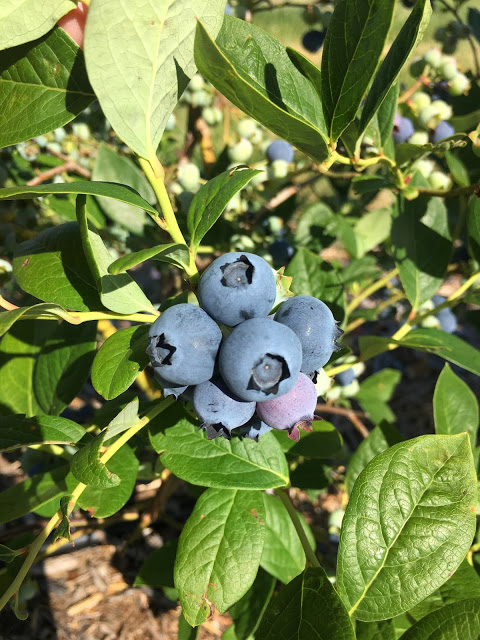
<point x="293" y="410"/>
<point x="74" y="23"/>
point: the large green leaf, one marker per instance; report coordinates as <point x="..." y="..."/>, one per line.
<point x="379" y="439"/>
<point x="219" y="551"/>
<point x="374" y="393"/>
<point x="53" y="267"/>
<point x="209" y="203"/>
<point x="119" y="192"/>
<point x="25" y="20"/>
<point x="386" y="120"/>
<point x="253" y="70"/>
<point x="409" y="524"/>
<point x="463" y="585"/>
<point x="378" y="630"/>
<point x="315" y="277"/>
<point x="422" y="246"/>
<point x="459" y="620"/>
<point x="235" y="464"/>
<point x="247" y="612"/>
<point x="103" y="502"/>
<point x="372" y="229"/>
<point x="43" y="85"/>
<point x="140" y="59"/>
<point x="455" y="406"/>
<point x="176" y="254"/>
<point x="18" y="431"/>
<point x="283" y="555"/>
<point x="308" y="608"/>
<point x="407" y="39"/>
<point x="324" y="441"/>
<point x="44" y="365"/>
<point x="355" y="39"/>
<point x="119" y="293"/>
<point x="119" y="361"/>
<point x="110" y="166"/>
<point x="157" y="570"/>
<point x="42" y="310"/>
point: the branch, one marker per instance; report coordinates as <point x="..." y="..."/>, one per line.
<point x="352" y="415"/>
<point x="68" y="166"/>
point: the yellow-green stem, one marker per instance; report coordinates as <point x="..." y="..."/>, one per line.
<point x="76" y="493"/>
<point x="292" y="512"/>
<point x="353" y="304"/>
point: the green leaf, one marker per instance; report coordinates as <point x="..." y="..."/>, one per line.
<point x="110" y="166"/>
<point x="457" y="168"/>
<point x="372" y="229"/>
<point x="176" y="254"/>
<point x="386" y="119"/>
<point x="446" y="346"/>
<point x="219" y="551"/>
<point x="103" y="502"/>
<point x="458" y="620"/>
<point x="306" y="68"/>
<point x="172" y="416"/>
<point x="381" y="630"/>
<point x="455" y="406"/>
<point x="44" y="365"/>
<point x="307" y="608"/>
<point x="235" y="464"/>
<point x="422" y="246"/>
<point x="42" y="310"/>
<point x="253" y="70"/>
<point x="63" y="529"/>
<point x="25" y="20"/>
<point x="311" y="474"/>
<point x="87" y="468"/>
<point x="463" y="585"/>
<point x="408" y="525"/>
<point x="247" y="612"/>
<point x="324" y="442"/>
<point x="119" y="293"/>
<point x="119" y="361"/>
<point x="7" y="554"/>
<point x="376" y="391"/>
<point x="316" y="228"/>
<point x="185" y="631"/>
<point x="119" y="192"/>
<point x="53" y="267"/>
<point x="355" y="39"/>
<point x="157" y="570"/>
<point x="409" y="36"/>
<point x="474" y="227"/>
<point x="283" y="555"/>
<point x="32" y="493"/>
<point x="379" y="439"/>
<point x="48" y="79"/>
<point x="140" y="62"/>
<point x="210" y="201"/>
<point x="19" y="431"/>
<point x="315" y="277"/>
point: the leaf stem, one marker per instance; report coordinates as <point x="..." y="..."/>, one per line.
<point x="76" y="493"/>
<point x="369" y="290"/>
<point x="292" y="512"/>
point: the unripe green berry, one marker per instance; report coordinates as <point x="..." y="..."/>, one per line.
<point x="433" y="57"/>
<point x="444" y="110"/>
<point x="189" y="176"/>
<point x="448" y="68"/>
<point x="459" y="85"/>
<point x="246" y="128"/>
<point x="212" y="115"/>
<point x="419" y="137"/>
<point x="170" y="122"/>
<point x="196" y="83"/>
<point x="241" y="152"/>
<point x="278" y="169"/>
<point x="420" y="100"/>
<point x="439" y="180"/>
<point x="424" y="166"/>
<point x="429" y="117"/>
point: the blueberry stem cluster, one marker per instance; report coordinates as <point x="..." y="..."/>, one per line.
<point x="292" y="512"/>
<point x="34" y="548"/>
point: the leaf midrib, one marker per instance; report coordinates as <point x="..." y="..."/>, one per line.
<point x="47" y="88"/>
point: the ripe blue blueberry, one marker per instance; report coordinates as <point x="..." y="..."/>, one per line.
<point x="237" y="286"/>
<point x="344" y="378"/>
<point x="403" y="129"/>
<point x="442" y="130"/>
<point x="253" y="429"/>
<point x="446" y="317"/>
<point x="184" y="342"/>
<point x="219" y="410"/>
<point x="313" y="40"/>
<point x="260" y="359"/>
<point x="281" y="252"/>
<point x="168" y="388"/>
<point x="293" y="410"/>
<point x="280" y="150"/>
<point x="313" y="322"/>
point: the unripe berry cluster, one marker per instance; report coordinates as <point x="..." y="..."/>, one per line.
<point x="254" y="371"/>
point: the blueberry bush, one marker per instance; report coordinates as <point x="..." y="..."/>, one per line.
<point x="219" y="240"/>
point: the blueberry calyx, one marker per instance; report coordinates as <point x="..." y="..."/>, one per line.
<point x="237" y="274"/>
<point x="160" y="351"/>
<point x="215" y="431"/>
<point x="268" y="372"/>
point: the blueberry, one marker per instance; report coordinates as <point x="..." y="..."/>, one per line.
<point x="184" y="342"/>
<point x="446" y="317"/>
<point x="253" y="429"/>
<point x="237" y="286"/>
<point x="293" y="410"/>
<point x="260" y="359"/>
<point x="313" y="40"/>
<point x="442" y="130"/>
<point x="313" y="322"/>
<point x="344" y="378"/>
<point x="403" y="129"/>
<point x="281" y="252"/>
<point x="280" y="150"/>
<point x="168" y="388"/>
<point x="219" y="410"/>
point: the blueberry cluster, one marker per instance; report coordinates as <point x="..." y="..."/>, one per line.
<point x="242" y="369"/>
